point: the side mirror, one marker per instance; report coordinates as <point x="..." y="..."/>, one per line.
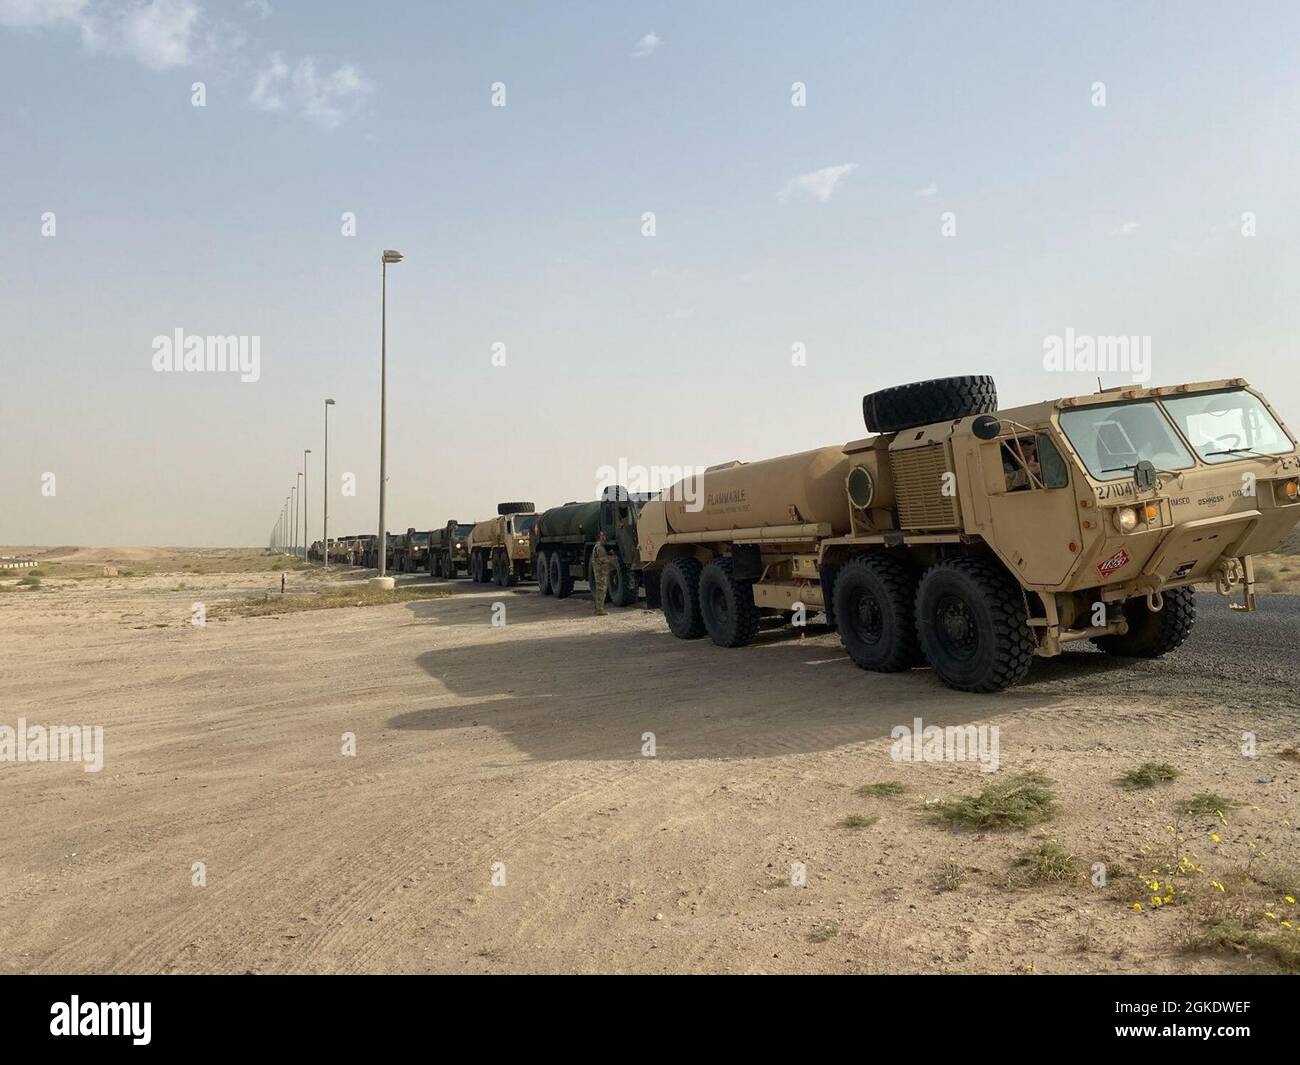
<point x="986" y="427"/>
<point x="1144" y="474"/>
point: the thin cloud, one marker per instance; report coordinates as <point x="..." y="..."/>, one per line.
<point x="930" y="190"/>
<point x="1127" y="228"/>
<point x="819" y="185"/>
<point x="327" y="99"/>
<point x="158" y="35"/>
<point x="646" y="45"/>
<point x="161" y="34"/>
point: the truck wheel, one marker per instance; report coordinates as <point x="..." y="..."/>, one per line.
<point x="501" y="568"/>
<point x="942" y="400"/>
<point x="515" y="508"/>
<point x="622" y="585"/>
<point x="543" y="567"/>
<point x="561" y="578"/>
<point x="1152" y="633"/>
<point x="874" y="606"/>
<point x="480" y="568"/>
<point x="727" y="605"/>
<point x="679" y="589"/>
<point x="971" y="621"/>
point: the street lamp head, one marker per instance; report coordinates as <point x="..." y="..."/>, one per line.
<point x="391" y="256"/>
<point x="306" y="451"/>
<point x="329" y="403"/>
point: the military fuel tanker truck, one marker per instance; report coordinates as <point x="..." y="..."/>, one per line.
<point x="501" y="548"/>
<point x="448" y="554"/>
<point x="564" y="536"/>
<point x="973" y="539"/>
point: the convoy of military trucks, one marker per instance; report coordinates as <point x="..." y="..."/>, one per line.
<point x="956" y="535"/>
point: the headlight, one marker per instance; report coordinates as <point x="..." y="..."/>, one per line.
<point x="1288" y="491"/>
<point x="1126" y="519"/>
<point x="460" y="545"/>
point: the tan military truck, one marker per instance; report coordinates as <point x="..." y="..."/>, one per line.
<point x="501" y="548"/>
<point x="975" y="540"/>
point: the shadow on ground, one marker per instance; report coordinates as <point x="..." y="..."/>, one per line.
<point x="593" y="694"/>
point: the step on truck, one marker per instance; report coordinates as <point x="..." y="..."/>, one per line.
<point x="974" y="539"/>
<point x="411" y="552"/>
<point x="501" y="548"/>
<point x="563" y="538"/>
<point x="448" y="550"/>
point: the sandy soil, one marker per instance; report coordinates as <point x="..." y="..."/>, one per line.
<point x="522" y="745"/>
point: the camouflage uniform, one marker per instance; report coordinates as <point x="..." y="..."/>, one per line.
<point x="601" y="564"/>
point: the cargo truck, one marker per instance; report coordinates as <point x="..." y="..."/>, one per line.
<point x="501" y="548"/>
<point x="563" y="538"/>
<point x="448" y="553"/>
<point x="411" y="552"/>
<point x="371" y="554"/>
<point x="974" y="539"/>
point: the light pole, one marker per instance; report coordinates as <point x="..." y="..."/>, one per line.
<point x="389" y="256"/>
<point x="305" y="453"/>
<point x="325" y="480"/>
<point x="285" y="508"/>
<point x="297" y="495"/>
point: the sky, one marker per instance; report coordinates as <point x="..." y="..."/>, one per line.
<point x="649" y="234"/>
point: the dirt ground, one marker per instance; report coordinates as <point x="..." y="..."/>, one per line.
<point x="500" y="813"/>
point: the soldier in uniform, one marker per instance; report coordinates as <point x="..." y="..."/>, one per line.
<point x="601" y="564"/>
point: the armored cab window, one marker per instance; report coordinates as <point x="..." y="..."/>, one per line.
<point x="1223" y="426"/>
<point x="1030" y="462"/>
<point x="1113" y="439"/>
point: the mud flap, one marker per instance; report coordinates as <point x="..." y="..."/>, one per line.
<point x="650" y="581"/>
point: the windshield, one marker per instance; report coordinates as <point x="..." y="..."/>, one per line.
<point x="524" y="523"/>
<point x="462" y="531"/>
<point x="420" y="538"/>
<point x="1223" y="426"/>
<point x="1112" y="440"/>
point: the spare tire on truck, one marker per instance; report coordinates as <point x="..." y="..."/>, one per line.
<point x="515" y="508"/>
<point x="944" y="399"/>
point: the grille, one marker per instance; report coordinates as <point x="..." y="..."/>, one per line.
<point x="919" y="482"/>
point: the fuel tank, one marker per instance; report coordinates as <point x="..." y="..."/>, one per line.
<point x="809" y="487"/>
<point x="572" y="519"/>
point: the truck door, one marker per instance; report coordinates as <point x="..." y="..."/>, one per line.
<point x="1034" y="514"/>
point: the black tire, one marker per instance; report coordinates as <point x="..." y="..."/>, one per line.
<point x="561" y="578"/>
<point x="875" y="612"/>
<point x="622" y="585"/>
<point x="727" y="605"/>
<point x="515" y="508"/>
<point x="480" y="568"/>
<point x="1152" y="633"/>
<point x="970" y="618"/>
<point x="679" y="588"/>
<point x="543" y="567"/>
<point x="941" y="400"/>
<point x="502" y="571"/>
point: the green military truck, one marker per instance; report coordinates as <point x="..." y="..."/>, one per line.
<point x="449" y="550"/>
<point x="563" y="538"/>
<point x="371" y="555"/>
<point x="411" y="552"/>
